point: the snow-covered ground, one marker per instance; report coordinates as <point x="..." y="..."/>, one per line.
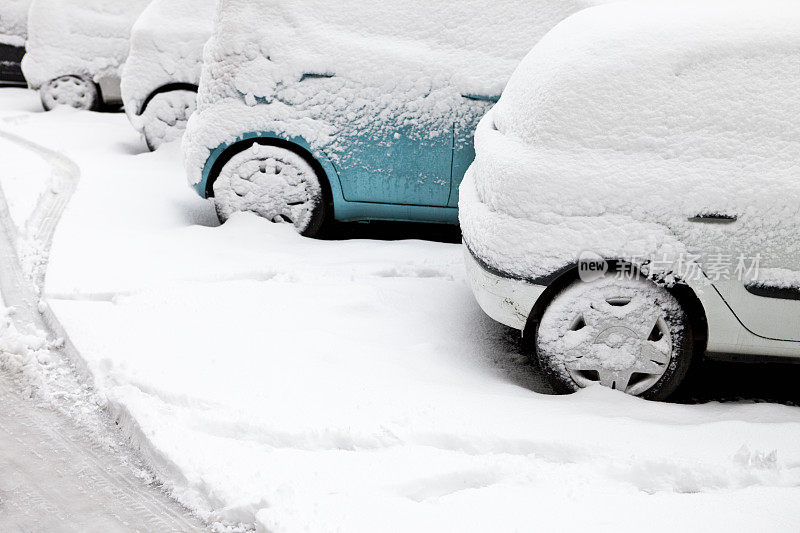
<point x="356" y="386"/>
<point x="22" y="180"/>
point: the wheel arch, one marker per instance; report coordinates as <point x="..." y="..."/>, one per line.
<point x="169" y="87"/>
<point x="561" y="279"/>
<point x="226" y="152"/>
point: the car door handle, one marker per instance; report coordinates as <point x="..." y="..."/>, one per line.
<point x="714" y="218"/>
<point x="315" y="75"/>
<point x="481" y="97"/>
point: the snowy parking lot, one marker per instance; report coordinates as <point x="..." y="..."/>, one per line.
<point x="290" y="384"/>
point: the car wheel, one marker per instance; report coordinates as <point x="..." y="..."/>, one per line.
<point x="275" y="183"/>
<point x="627" y="334"/>
<point x="164" y="118"/>
<point x="74" y="91"/>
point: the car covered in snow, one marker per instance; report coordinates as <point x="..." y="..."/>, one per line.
<point x="634" y="203"/>
<point x="161" y="74"/>
<point x="76" y="49"/>
<point x="311" y="110"/>
<point x="13" y="32"/>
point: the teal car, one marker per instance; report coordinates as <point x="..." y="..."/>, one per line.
<point x="351" y="111"/>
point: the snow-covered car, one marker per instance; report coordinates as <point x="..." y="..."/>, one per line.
<point x="76" y="49"/>
<point x="311" y="110"/>
<point x="13" y="32"/>
<point x="160" y="77"/>
<point x="635" y="198"/>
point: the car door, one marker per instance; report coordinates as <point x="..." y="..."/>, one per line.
<point x="398" y="163"/>
<point x="752" y="259"/>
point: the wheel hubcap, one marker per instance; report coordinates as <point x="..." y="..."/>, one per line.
<point x="622" y="343"/>
<point x="276" y="185"/>
<point x="71" y="91"/>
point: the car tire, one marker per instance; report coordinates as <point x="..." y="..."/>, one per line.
<point x="164" y="119"/>
<point x="276" y="184"/>
<point x="75" y="91"/>
<point x="625" y="333"/>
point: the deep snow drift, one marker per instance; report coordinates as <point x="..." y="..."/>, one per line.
<point x="301" y="384"/>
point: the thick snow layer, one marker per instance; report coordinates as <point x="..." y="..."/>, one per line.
<point x="356" y="386"/>
<point x="335" y="73"/>
<point x="82" y="37"/>
<point x="166" y="47"/>
<point x="14" y="22"/>
<point x="629" y="119"/>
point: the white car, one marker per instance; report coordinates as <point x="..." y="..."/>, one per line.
<point x="161" y="75"/>
<point x="76" y="49"/>
<point x="635" y="199"/>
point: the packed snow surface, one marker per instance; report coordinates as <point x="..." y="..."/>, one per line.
<point x="320" y="385"/>
<point x="166" y="47"/>
<point x="629" y="119"/>
<point x="22" y="181"/>
<point x="80" y="37"/>
<point x="339" y="74"/>
<point x="14" y="22"/>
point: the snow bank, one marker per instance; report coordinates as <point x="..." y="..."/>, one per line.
<point x="166" y="47"/>
<point x="14" y="22"/>
<point x="23" y="352"/>
<point x="336" y="72"/>
<point x="628" y="119"/>
<point x="85" y="37"/>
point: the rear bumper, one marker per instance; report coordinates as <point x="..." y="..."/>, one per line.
<point x="506" y="300"/>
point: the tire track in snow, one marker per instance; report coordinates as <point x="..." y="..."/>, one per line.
<point x="52" y="475"/>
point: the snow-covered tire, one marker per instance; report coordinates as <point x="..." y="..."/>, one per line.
<point x="75" y="91"/>
<point x="164" y="118"/>
<point x="275" y="183"/>
<point x="627" y="334"/>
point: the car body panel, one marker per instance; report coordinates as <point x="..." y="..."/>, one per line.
<point x="344" y="210"/>
<point x="766" y="317"/>
<point x="735" y="245"/>
<point x="397" y="166"/>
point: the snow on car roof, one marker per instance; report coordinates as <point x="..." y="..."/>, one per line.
<point x="643" y="76"/>
<point x="478" y="45"/>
